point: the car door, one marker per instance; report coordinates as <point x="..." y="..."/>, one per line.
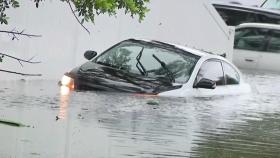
<point x="270" y="58"/>
<point x="212" y="70"/>
<point x="248" y="45"/>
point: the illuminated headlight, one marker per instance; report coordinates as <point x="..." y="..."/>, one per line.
<point x="67" y="82"/>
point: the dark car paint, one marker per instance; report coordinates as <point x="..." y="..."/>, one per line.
<point x="92" y="76"/>
<point x="273" y="14"/>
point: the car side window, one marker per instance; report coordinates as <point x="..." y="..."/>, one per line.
<point x="235" y="17"/>
<point x="212" y="70"/>
<point x="250" y="39"/>
<point x="274" y="42"/>
<point x="231" y="75"/>
<point x="271" y="19"/>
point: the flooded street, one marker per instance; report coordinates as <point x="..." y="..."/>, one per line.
<point x="113" y="125"/>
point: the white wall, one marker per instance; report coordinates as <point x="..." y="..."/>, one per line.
<point x="194" y="23"/>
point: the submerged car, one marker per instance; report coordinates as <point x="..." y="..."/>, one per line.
<point x="234" y="14"/>
<point x="257" y="47"/>
<point x="156" y="68"/>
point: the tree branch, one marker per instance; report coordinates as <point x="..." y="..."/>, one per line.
<point x="16" y="33"/>
<point x="73" y="12"/>
<point x="18" y="73"/>
<point x="21" y="60"/>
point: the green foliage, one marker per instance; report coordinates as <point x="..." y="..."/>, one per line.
<point x="86" y="10"/>
<point x="4" y="5"/>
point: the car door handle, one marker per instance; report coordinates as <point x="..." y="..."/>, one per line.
<point x="249" y="60"/>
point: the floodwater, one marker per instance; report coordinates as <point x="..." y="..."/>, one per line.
<point x="113" y="125"/>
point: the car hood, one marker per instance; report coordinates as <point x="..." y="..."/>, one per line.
<point x="93" y="76"/>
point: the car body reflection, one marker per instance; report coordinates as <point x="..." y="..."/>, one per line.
<point x="64" y="99"/>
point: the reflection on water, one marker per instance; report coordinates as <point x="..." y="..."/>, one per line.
<point x="64" y="101"/>
<point x="99" y="124"/>
<point x="64" y="91"/>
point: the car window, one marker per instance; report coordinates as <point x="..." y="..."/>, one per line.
<point x="250" y="39"/>
<point x="251" y="17"/>
<point x="231" y="75"/>
<point x="274" y="42"/>
<point x="266" y="18"/>
<point x="212" y="70"/>
<point x="124" y="56"/>
<point x="236" y="17"/>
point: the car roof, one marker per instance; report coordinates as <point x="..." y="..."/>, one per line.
<point x="201" y="53"/>
<point x="259" y="25"/>
<point x="247" y="8"/>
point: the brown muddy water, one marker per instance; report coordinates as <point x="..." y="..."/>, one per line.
<point x="54" y="124"/>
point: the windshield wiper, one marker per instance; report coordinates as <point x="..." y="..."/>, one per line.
<point x="168" y="72"/>
<point x="139" y="65"/>
<point x="106" y="64"/>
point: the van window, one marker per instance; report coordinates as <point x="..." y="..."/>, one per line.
<point x="274" y="42"/>
<point x="271" y="19"/>
<point x="235" y="17"/>
<point x="250" y="39"/>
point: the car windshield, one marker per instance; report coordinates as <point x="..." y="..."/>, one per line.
<point x="272" y="4"/>
<point x="150" y="60"/>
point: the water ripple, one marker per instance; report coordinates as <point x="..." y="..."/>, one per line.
<point x="100" y="124"/>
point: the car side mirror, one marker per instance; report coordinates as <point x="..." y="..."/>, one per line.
<point x="89" y="54"/>
<point x="206" y="83"/>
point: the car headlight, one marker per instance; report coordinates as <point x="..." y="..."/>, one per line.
<point x="67" y="82"/>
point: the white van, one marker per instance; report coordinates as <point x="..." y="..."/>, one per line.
<point x="257" y="46"/>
